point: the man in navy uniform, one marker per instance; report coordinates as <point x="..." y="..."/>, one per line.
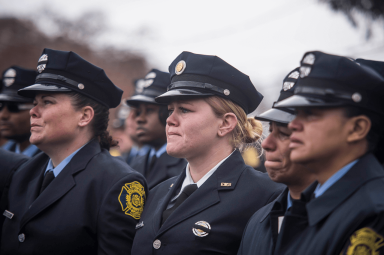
<point x="150" y="116"/>
<point x="14" y="110"/>
<point x="263" y="228"/>
<point x="337" y="134"/>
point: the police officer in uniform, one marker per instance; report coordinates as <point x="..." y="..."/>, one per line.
<point x="14" y="110"/>
<point x="204" y="210"/>
<point x="336" y="133"/>
<point x="150" y="119"/>
<point x="75" y="198"/>
<point x="261" y="233"/>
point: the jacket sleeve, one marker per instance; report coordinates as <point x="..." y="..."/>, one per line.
<point x="119" y="214"/>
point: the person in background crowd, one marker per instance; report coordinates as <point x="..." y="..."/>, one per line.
<point x="337" y="135"/>
<point x="150" y="120"/>
<point x="119" y="133"/>
<point x="14" y="111"/>
<point x="204" y="210"/>
<point x="75" y="198"/>
<point x="263" y="228"/>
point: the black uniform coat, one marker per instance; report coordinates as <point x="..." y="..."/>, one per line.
<point x="261" y="232"/>
<point x="348" y="216"/>
<point x="9" y="163"/>
<point x="80" y="212"/>
<point x="164" y="168"/>
<point x="227" y="208"/>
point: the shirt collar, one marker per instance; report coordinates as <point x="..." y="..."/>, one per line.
<point x="143" y="150"/>
<point x="8" y="145"/>
<point x="29" y="151"/>
<point x="289" y="200"/>
<point x="158" y="153"/>
<point x="320" y="189"/>
<point x="56" y="170"/>
<point x="188" y="178"/>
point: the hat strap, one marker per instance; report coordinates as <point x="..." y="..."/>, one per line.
<point x="57" y="77"/>
<point x="194" y="84"/>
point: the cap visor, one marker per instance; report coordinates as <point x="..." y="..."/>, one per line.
<point x="31" y="91"/>
<point x="138" y="99"/>
<point x="276" y="115"/>
<point x="13" y="98"/>
<point x="180" y="94"/>
<point x="297" y="101"/>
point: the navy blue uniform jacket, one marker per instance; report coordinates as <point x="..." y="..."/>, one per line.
<point x="84" y="210"/>
<point x="227" y="208"/>
<point x="261" y="233"/>
<point x="348" y="217"/>
<point x="165" y="167"/>
<point x="9" y="163"/>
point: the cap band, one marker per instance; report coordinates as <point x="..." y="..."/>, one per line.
<point x="324" y="92"/>
<point x="194" y="84"/>
<point x="57" y="77"/>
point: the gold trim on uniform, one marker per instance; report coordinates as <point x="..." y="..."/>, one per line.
<point x="365" y="241"/>
<point x="132" y="198"/>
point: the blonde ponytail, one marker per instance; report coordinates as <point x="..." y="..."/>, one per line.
<point x="247" y="130"/>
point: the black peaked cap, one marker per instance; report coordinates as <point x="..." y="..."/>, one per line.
<point x="330" y="81"/>
<point x="148" y="88"/>
<point x="62" y="71"/>
<point x="284" y="115"/>
<point x="378" y="66"/>
<point x="13" y="79"/>
<point x="195" y="75"/>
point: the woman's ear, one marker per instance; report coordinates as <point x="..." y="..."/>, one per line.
<point x="87" y="114"/>
<point x="359" y="128"/>
<point x="228" y="124"/>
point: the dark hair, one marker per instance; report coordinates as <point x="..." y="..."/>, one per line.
<point x="375" y="135"/>
<point x="100" y="120"/>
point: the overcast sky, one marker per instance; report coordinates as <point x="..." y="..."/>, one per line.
<point x="263" y="39"/>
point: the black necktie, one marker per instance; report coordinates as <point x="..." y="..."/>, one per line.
<point x="48" y="178"/>
<point x="187" y="191"/>
<point x="152" y="163"/>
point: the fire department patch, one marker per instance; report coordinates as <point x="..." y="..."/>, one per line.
<point x="365" y="241"/>
<point x="132" y="198"/>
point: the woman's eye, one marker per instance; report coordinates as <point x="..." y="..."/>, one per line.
<point x="170" y="112"/>
<point x="183" y="110"/>
<point x="47" y="102"/>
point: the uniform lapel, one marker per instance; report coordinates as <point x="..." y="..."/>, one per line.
<point x="228" y="172"/>
<point x="63" y="183"/>
<point x="163" y="203"/>
<point x="34" y="185"/>
<point x="366" y="169"/>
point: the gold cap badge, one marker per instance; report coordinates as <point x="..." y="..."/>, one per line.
<point x="180" y="67"/>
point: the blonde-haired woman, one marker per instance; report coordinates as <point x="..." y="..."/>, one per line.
<point x="205" y="209"/>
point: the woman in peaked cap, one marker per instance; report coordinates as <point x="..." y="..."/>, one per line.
<point x="75" y="198"/>
<point x="337" y="136"/>
<point x="204" y="210"/>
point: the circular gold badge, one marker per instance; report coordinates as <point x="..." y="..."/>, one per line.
<point x="180" y="67"/>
